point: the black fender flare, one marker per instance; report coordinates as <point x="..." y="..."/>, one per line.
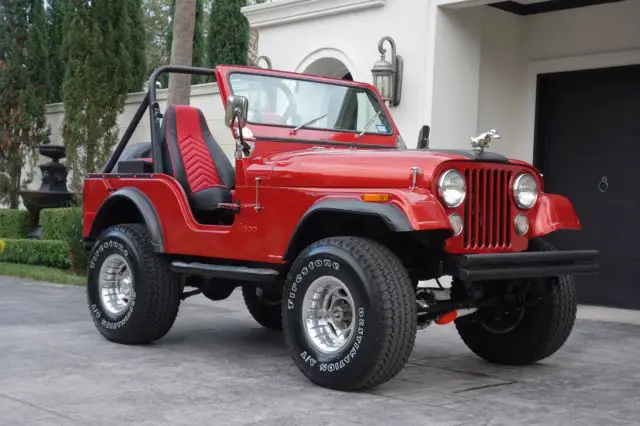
<point x="145" y="208"/>
<point x="392" y="216"/>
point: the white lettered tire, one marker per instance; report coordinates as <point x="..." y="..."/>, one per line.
<point x="132" y="295"/>
<point x="349" y="313"/>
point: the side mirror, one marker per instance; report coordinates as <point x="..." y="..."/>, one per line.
<point x="237" y="109"/>
<point x="423" y="137"/>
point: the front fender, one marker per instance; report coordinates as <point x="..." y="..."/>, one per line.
<point x="554" y="213"/>
<point x="392" y="216"/>
<point x="406" y="211"/>
<point x="422" y="209"/>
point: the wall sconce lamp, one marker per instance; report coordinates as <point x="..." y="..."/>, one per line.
<point x="264" y="58"/>
<point x="387" y="76"/>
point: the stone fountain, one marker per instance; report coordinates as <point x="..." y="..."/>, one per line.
<point x="53" y="191"/>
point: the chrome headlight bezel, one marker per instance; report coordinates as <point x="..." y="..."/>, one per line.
<point x="518" y="182"/>
<point x="443" y="184"/>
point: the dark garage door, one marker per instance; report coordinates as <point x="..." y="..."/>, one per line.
<point x="588" y="147"/>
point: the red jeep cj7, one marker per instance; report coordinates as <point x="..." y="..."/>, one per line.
<point x="327" y="222"/>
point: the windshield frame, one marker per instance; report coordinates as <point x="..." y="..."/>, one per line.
<point x="373" y="97"/>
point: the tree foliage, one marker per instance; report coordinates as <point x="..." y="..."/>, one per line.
<point x="139" y="71"/>
<point x="55" y="34"/>
<point x="221" y="33"/>
<point x="156" y="20"/>
<point x="199" y="52"/>
<point x="101" y="69"/>
<point x="90" y="54"/>
<point x="228" y="35"/>
<point x="23" y="90"/>
<point x="38" y="56"/>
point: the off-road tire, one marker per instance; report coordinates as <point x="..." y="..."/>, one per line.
<point x="156" y="290"/>
<point x="266" y="313"/>
<point x="384" y="308"/>
<point x="543" y="329"/>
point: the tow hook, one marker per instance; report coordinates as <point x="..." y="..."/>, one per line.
<point x="453" y="315"/>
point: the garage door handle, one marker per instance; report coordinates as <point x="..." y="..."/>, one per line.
<point x="603" y="186"/>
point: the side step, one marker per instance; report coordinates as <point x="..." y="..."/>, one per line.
<point x="241" y="273"/>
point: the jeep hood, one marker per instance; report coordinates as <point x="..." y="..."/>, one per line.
<point x="320" y="167"/>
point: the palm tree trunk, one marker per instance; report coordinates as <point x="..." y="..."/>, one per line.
<point x="184" y="21"/>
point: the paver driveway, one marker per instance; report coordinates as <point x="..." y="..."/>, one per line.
<point x="218" y="367"/>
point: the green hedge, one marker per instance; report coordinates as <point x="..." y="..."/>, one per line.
<point x="15" y="223"/>
<point x="66" y="224"/>
<point x="54" y="222"/>
<point x="35" y="252"/>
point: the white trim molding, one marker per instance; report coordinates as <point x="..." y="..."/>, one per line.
<point x="285" y="11"/>
<point x="569" y="63"/>
<point x="335" y="52"/>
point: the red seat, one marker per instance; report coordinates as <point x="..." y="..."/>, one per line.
<point x="194" y="158"/>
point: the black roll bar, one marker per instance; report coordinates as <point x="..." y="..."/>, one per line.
<point x="127" y="135"/>
<point x="150" y="101"/>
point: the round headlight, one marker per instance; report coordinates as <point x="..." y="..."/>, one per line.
<point x="525" y="191"/>
<point x="452" y="188"/>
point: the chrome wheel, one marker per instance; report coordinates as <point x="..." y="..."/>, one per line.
<point x="116" y="284"/>
<point x="328" y="315"/>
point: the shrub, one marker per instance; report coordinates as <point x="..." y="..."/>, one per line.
<point x="15" y="223"/>
<point x="66" y="224"/>
<point x="72" y="226"/>
<point x="35" y="252"/>
<point x="53" y="221"/>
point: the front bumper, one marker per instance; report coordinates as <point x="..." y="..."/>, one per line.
<point x="507" y="266"/>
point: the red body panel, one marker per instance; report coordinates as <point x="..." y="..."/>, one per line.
<point x="294" y="175"/>
<point x="553" y="213"/>
<point x="261" y="236"/>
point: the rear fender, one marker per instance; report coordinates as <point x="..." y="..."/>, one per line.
<point x="554" y="213"/>
<point x="128" y="205"/>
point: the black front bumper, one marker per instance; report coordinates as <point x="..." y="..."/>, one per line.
<point x="507" y="266"/>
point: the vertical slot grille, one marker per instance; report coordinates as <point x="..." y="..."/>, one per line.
<point x="487" y="209"/>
